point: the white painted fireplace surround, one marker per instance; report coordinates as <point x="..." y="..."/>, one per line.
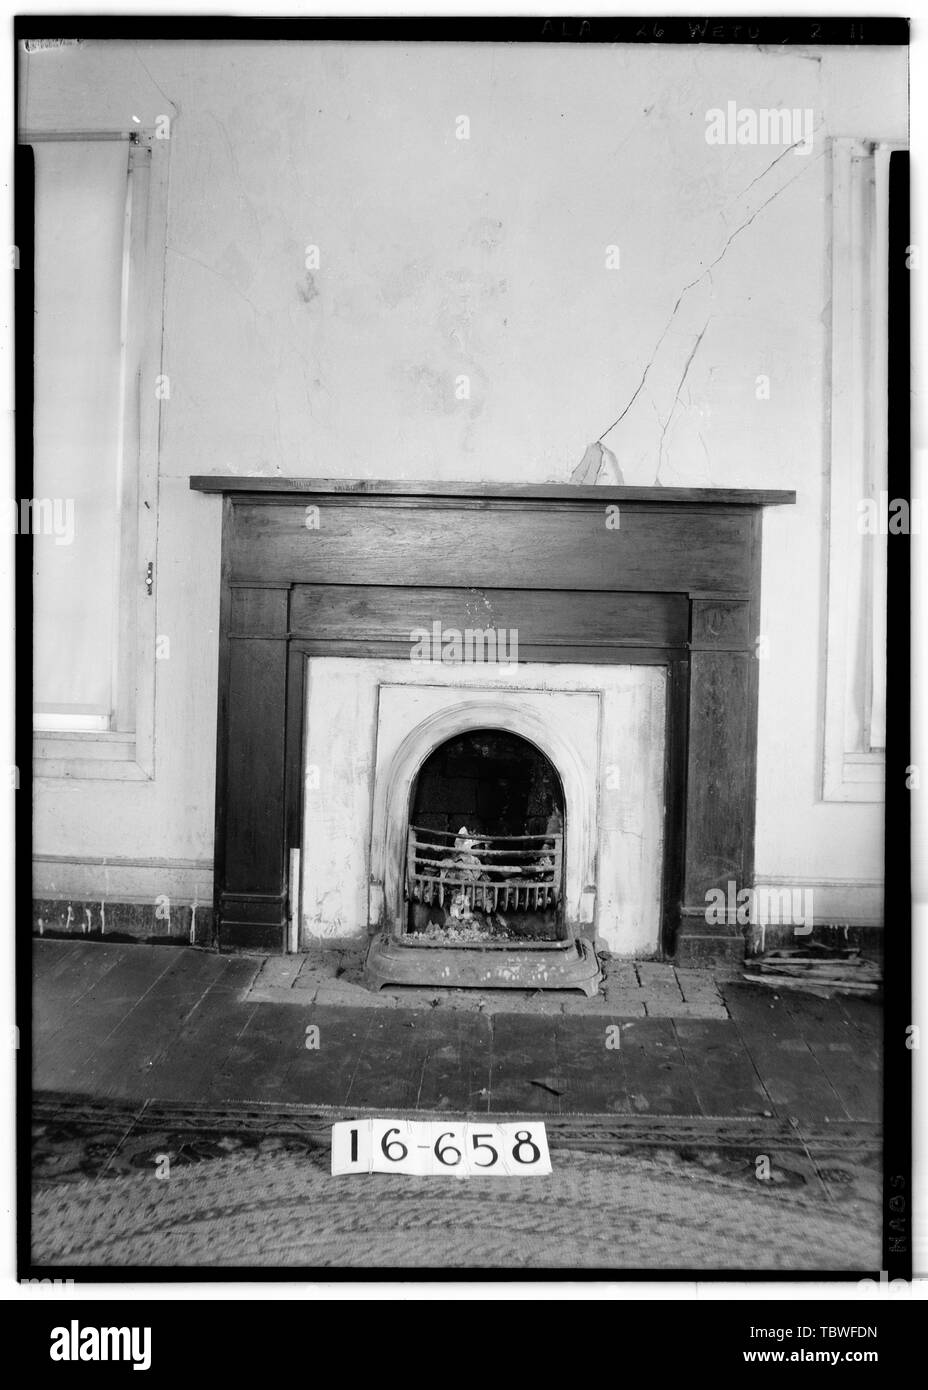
<point x="370" y="725"/>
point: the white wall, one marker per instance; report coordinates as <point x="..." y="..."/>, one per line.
<point x="485" y="257"/>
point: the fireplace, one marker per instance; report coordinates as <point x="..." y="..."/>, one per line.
<point x="503" y="813"/>
<point x="402" y="760"/>
<point x="497" y="877"/>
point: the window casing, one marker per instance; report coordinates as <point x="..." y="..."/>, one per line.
<point x="113" y="736"/>
<point x="855" y="664"/>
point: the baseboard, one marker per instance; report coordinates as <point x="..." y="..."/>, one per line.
<point x="728" y="945"/>
<point x="867" y="938"/>
<point x="721" y="954"/>
<point x="726" y="948"/>
<point x="855" y="902"/>
<point x="177" y="923"/>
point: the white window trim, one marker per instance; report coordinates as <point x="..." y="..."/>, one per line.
<point x="44" y="722"/>
<point x="855" y="769"/>
<point x="117" y="754"/>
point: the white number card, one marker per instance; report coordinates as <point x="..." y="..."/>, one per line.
<point x="440" y="1148"/>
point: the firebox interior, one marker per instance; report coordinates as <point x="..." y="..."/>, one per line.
<point x="486" y="843"/>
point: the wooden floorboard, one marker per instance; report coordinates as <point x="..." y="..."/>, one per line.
<point x="61" y="1062"/>
<point x="262" y="1055"/>
<point x="57" y="959"/>
<point x="787" y="1066"/>
<point x="865" y="1017"/>
<point x="723" y="1075"/>
<point x="173" y="1024"/>
<point x="388" y="1067"/>
<point x="62" y="975"/>
<point x="593" y="1075"/>
<point x="322" y="1075"/>
<point x="458" y="1067"/>
<point x="524" y="1064"/>
<point x="656" y="1075"/>
<point x="187" y="1067"/>
<point x="846" y="1056"/>
<point x="123" y="1061"/>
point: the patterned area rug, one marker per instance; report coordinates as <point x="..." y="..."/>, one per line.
<point x="251" y="1187"/>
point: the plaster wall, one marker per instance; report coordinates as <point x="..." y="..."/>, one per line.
<point x="583" y="255"/>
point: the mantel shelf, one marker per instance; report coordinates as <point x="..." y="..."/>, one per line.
<point x="555" y="492"/>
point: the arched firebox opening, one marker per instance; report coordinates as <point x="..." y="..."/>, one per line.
<point x="485" y="843"/>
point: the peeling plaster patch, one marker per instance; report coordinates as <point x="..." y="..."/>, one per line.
<point x="425" y="388"/>
<point x="317" y="396"/>
<point x="706" y="452"/>
<point x="598" y="465"/>
<point x="486" y="233"/>
<point x="469" y="437"/>
<point x="240" y="269"/>
<point x="404" y="285"/>
<point x="356" y="306"/>
<point x="277" y="430"/>
<point x="698" y="194"/>
<point x="466" y="309"/>
<point x="777" y="51"/>
<point x="327" y="920"/>
<point x="308" y="290"/>
<point x="456" y="312"/>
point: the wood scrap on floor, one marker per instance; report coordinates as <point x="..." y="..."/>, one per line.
<point x="816" y="969"/>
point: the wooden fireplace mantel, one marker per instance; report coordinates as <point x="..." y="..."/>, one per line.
<point x="673" y="578"/>
<point x="552" y="492"/>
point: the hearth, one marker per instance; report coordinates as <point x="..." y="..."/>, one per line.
<point x="485" y="819"/>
